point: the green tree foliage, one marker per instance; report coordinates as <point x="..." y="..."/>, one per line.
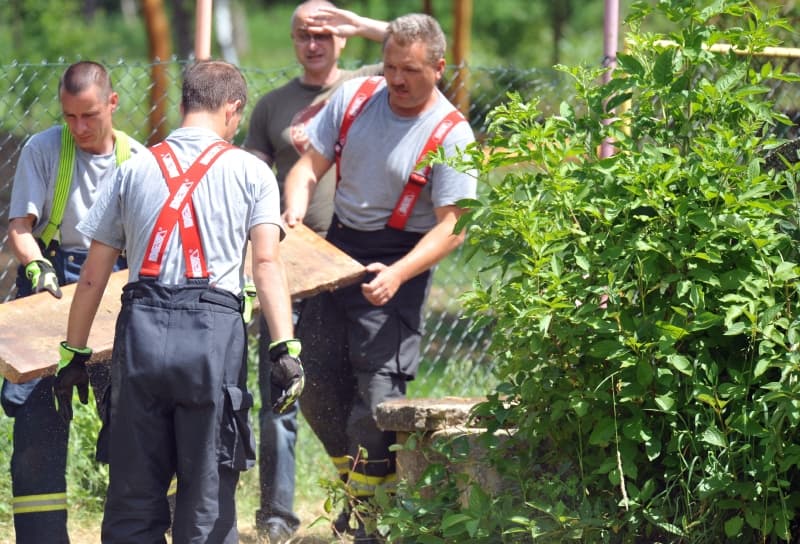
<point x="37" y="30"/>
<point x="646" y="322"/>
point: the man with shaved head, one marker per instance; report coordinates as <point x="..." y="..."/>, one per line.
<point x="60" y="173"/>
<point x="277" y="135"/>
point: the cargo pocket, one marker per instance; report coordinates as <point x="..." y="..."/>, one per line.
<point x="409" y="342"/>
<point x="237" y="448"/>
<point x="102" y="452"/>
<point x="373" y="340"/>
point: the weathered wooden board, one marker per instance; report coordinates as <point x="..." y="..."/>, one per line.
<point x="32" y="327"/>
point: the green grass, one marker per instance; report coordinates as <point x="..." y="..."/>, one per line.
<point x="86" y="479"/>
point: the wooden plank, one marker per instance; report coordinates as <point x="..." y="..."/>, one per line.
<point x="32" y="327"/>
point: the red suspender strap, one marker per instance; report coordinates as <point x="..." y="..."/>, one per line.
<point x="357" y="103"/>
<point x="179" y="206"/>
<point x="417" y="180"/>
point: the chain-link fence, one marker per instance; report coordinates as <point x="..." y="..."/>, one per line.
<point x="450" y="351"/>
<point x="29" y="104"/>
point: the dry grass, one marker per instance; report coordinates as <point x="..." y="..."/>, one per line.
<point x="84" y="528"/>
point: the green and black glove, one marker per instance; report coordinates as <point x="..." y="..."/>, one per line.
<point x="71" y="374"/>
<point x="43" y="277"/>
<point x="287" y="374"/>
<point x="249" y="295"/>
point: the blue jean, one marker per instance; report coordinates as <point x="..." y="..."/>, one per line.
<point x="276" y="445"/>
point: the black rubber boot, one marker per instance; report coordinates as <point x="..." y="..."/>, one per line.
<point x="341" y="525"/>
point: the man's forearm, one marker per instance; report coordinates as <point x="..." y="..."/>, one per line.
<point x="22" y="242"/>
<point x="301" y="181"/>
<point x="276" y="305"/>
<point x="437" y="244"/>
<point x="89" y="292"/>
<point x="372" y="29"/>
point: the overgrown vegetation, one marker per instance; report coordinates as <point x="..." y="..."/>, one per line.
<point x="646" y="317"/>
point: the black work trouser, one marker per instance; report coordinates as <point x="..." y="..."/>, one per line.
<point x="179" y="405"/>
<point x="357" y="355"/>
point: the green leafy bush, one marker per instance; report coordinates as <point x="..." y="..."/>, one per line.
<point x="645" y="321"/>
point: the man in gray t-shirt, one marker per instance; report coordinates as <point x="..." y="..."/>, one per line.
<point x="362" y="342"/>
<point x="183" y="213"/>
<point x="80" y="158"/>
<point x="277" y="135"/>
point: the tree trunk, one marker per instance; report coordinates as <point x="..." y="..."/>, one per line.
<point x="89" y="8"/>
<point x="559" y="16"/>
<point x="184" y="29"/>
<point x="160" y="44"/>
<point x="223" y="22"/>
<point x="462" y="32"/>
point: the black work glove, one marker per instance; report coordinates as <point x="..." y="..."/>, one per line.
<point x="71" y="374"/>
<point x="43" y="277"/>
<point x="287" y="373"/>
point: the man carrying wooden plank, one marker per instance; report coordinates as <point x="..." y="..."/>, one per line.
<point x="59" y="175"/>
<point x="395" y="215"/>
<point x="179" y="405"/>
<point x="277" y="135"/>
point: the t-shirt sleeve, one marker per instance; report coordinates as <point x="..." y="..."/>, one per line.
<point x="136" y="147"/>
<point x="267" y="200"/>
<point x="323" y="131"/>
<point x="29" y="192"/>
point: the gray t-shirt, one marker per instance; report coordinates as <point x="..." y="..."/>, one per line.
<point x="380" y="152"/>
<point x="35" y="183"/>
<point x="278" y="129"/>
<point x="237" y="193"/>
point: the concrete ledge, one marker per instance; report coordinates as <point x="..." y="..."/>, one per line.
<point x="435" y="421"/>
<point x="425" y="414"/>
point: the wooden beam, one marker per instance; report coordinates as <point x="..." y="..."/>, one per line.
<point x="32" y="327"/>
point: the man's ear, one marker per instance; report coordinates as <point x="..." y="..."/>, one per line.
<point x="233" y="113"/>
<point x="439" y="67"/>
<point x="113" y="101"/>
<point x="231" y="109"/>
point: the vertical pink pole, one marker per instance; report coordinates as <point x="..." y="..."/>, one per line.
<point x="202" y="30"/>
<point x="610" y="40"/>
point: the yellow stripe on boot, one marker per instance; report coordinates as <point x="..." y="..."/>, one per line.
<point x="361" y="485"/>
<point x="389" y="483"/>
<point x="342" y="465"/>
